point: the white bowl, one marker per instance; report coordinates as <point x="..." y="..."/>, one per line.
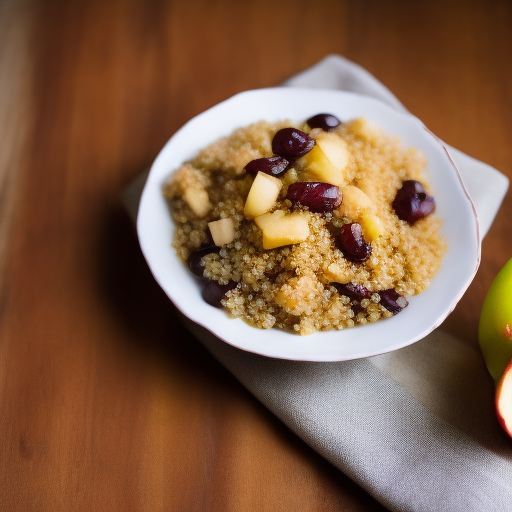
<point x="425" y="311"/>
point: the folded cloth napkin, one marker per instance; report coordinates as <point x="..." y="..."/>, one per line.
<point x="415" y="427"/>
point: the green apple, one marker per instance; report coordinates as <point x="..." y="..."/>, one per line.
<point x="495" y="329"/>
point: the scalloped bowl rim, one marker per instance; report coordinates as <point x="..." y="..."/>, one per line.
<point x="425" y="312"/>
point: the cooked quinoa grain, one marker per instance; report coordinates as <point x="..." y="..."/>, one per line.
<point x="291" y="286"/>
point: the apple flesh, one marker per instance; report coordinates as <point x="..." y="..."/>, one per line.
<point x="357" y="206"/>
<point x="262" y="196"/>
<point x="287" y="230"/>
<point x="267" y="218"/>
<point x="354" y="202"/>
<point x="198" y="200"/>
<point x="337" y="274"/>
<point x="327" y="160"/>
<point x="372" y="226"/>
<point x="504" y="400"/>
<point x="222" y="231"/>
<point x="495" y="328"/>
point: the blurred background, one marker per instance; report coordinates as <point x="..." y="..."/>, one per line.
<point x="106" y="402"/>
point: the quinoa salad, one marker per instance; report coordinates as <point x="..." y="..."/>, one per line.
<point x="307" y="226"/>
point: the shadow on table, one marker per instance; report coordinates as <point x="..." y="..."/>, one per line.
<point x="152" y="328"/>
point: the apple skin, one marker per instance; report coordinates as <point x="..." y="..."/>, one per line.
<point x="504" y="400"/>
<point x="495" y="329"/>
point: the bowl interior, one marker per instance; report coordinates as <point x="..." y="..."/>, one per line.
<point x="425" y="312"/>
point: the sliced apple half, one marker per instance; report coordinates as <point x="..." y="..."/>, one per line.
<point x="262" y="195"/>
<point x="289" y="229"/>
<point x="504" y="400"/>
<point x="327" y="160"/>
<point x="222" y="231"/>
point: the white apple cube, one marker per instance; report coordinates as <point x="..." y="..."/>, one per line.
<point x="289" y="229"/>
<point x="198" y="200"/>
<point x="263" y="195"/>
<point x="222" y="231"/>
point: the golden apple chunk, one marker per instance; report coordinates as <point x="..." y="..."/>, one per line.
<point x="289" y="229"/>
<point x="372" y="226"/>
<point x="354" y="202"/>
<point x="356" y="205"/>
<point x="327" y="160"/>
<point x="262" y="195"/>
<point x="222" y="231"/>
<point x="267" y="218"/>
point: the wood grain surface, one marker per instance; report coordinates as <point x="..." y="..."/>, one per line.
<point x="106" y="402"/>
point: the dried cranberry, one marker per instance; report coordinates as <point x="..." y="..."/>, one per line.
<point x="393" y="301"/>
<point x="274" y="166"/>
<point x="355" y="292"/>
<point x="291" y="143"/>
<point x="351" y="243"/>
<point x="194" y="260"/>
<point x="326" y="122"/>
<point x="319" y="197"/>
<point x="412" y="203"/>
<point x="214" y="292"/>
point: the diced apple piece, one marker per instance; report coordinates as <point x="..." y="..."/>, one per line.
<point x="337" y="274"/>
<point x="289" y="229"/>
<point x="297" y="294"/>
<point x="222" y="230"/>
<point x="372" y="225"/>
<point x="262" y="195"/>
<point x="354" y="202"/>
<point x="357" y="206"/>
<point x="334" y="148"/>
<point x="327" y="160"/>
<point x="267" y="218"/>
<point x="198" y="200"/>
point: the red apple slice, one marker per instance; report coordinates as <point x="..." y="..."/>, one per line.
<point x="504" y="400"/>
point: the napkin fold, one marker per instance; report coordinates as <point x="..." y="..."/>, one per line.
<point x="416" y="427"/>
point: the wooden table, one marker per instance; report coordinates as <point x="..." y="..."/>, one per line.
<point x="106" y="402"/>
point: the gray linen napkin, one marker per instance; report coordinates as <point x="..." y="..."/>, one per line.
<point x="416" y="427"/>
